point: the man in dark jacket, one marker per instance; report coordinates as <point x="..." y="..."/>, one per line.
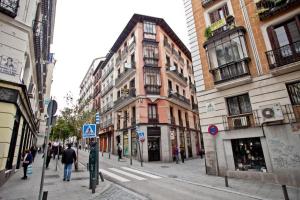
<point x="68" y="157"/>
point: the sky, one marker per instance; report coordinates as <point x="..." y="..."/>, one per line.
<point x="87" y="29"/>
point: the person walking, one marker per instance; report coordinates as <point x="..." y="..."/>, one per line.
<point x="68" y="157"/>
<point x="201" y="153"/>
<point x="27" y="160"/>
<point x="49" y="153"/>
<point x="182" y="152"/>
<point x="33" y="152"/>
<point x="177" y="154"/>
<point x="119" y="151"/>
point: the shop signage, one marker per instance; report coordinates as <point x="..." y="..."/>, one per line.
<point x="210" y="107"/>
<point x="218" y="24"/>
<point x="10" y="68"/>
<point x="141" y="135"/>
<point x="89" y="131"/>
<point x="8" y="95"/>
<point x="213" y="129"/>
<point x="172" y="135"/>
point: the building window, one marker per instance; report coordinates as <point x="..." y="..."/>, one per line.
<point x="294" y="92"/>
<point x="248" y="154"/>
<point x="285" y="42"/>
<point x="151" y="54"/>
<point x="238" y="105"/>
<point x="228" y="57"/>
<point x="152" y="113"/>
<point x="149" y="30"/>
<point x="183" y="93"/>
<point x="218" y="14"/>
<point x="170" y="85"/>
<point x="177" y="89"/>
<point x="168" y="62"/>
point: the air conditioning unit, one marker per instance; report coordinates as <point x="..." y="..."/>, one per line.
<point x="240" y="122"/>
<point x="271" y="113"/>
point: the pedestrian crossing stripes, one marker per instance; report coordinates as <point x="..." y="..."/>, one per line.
<point x="127" y="174"/>
<point x="142" y="173"/>
<point x="119" y="178"/>
<point x="117" y="174"/>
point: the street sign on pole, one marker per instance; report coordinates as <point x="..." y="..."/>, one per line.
<point x="213" y="129"/>
<point x="89" y="131"/>
<point x="97" y="118"/>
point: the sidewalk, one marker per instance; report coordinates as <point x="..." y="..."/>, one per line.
<point x="77" y="188"/>
<point x="192" y="171"/>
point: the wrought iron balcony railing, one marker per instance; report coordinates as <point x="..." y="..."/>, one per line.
<point x="246" y="120"/>
<point x="268" y="8"/>
<point x="107" y="107"/>
<point x="231" y="71"/>
<point x="284" y="55"/>
<point x="153" y="119"/>
<point x="151" y="61"/>
<point x="9" y="7"/>
<point x="124" y="73"/>
<point x="152" y="89"/>
<point x="179" y="75"/>
<point x="123" y="99"/>
<point x="107" y="72"/>
<point x="179" y="97"/>
<point x="107" y="88"/>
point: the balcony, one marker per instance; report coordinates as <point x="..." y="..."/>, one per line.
<point x="118" y="59"/>
<point x="151" y="61"/>
<point x="9" y="7"/>
<point x="107" y="88"/>
<point x="176" y="54"/>
<point x="181" y="60"/>
<point x="124" y="53"/>
<point x="152" y="89"/>
<point x="133" y="121"/>
<point x="126" y="75"/>
<point x="173" y="122"/>
<point x="268" y="8"/>
<point x="131" y="44"/>
<point x="106" y="123"/>
<point x="285" y="59"/>
<point x="231" y="74"/>
<point x="192" y="87"/>
<point x="106" y="108"/>
<point x="172" y="72"/>
<point x="167" y="46"/>
<point x="153" y="119"/>
<point x="206" y="3"/>
<point x="239" y="121"/>
<point x="187" y="124"/>
<point x="195" y="107"/>
<point x="38" y="39"/>
<point x="107" y="72"/>
<point x="124" y="100"/>
<point x="180" y="122"/>
<point x="179" y="98"/>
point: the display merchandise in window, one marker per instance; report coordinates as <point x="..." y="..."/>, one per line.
<point x="248" y="155"/>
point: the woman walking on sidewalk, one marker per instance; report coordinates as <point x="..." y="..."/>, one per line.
<point x="27" y="160"/>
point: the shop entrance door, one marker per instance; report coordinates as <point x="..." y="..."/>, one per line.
<point x="153" y="143"/>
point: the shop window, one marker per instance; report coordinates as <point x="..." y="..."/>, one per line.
<point x="238" y="105"/>
<point x="248" y="155"/>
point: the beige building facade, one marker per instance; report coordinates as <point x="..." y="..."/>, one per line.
<point x="247" y="72"/>
<point x="26" y="30"/>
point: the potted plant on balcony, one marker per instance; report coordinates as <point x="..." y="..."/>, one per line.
<point x="208" y="32"/>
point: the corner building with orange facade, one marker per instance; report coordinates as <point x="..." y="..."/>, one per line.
<point x="246" y="58"/>
<point x="151" y="88"/>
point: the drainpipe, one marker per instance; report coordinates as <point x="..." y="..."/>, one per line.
<point x="251" y="37"/>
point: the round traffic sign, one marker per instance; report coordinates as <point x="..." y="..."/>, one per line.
<point x="52" y="107"/>
<point x="213" y="129"/>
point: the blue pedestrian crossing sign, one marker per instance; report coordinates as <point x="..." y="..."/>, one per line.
<point x="89" y="131"/>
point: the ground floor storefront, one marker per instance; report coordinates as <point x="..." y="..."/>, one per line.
<point x="159" y="142"/>
<point x="106" y="141"/>
<point x="17" y="128"/>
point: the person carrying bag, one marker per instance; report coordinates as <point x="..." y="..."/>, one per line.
<point x="27" y="160"/>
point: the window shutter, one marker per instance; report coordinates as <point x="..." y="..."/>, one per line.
<point x="272" y="37"/>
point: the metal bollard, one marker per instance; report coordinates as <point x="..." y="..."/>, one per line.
<point x="226" y="181"/>
<point x="93" y="186"/>
<point x="45" y="195"/>
<point x="101" y="176"/>
<point x="285" y="193"/>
